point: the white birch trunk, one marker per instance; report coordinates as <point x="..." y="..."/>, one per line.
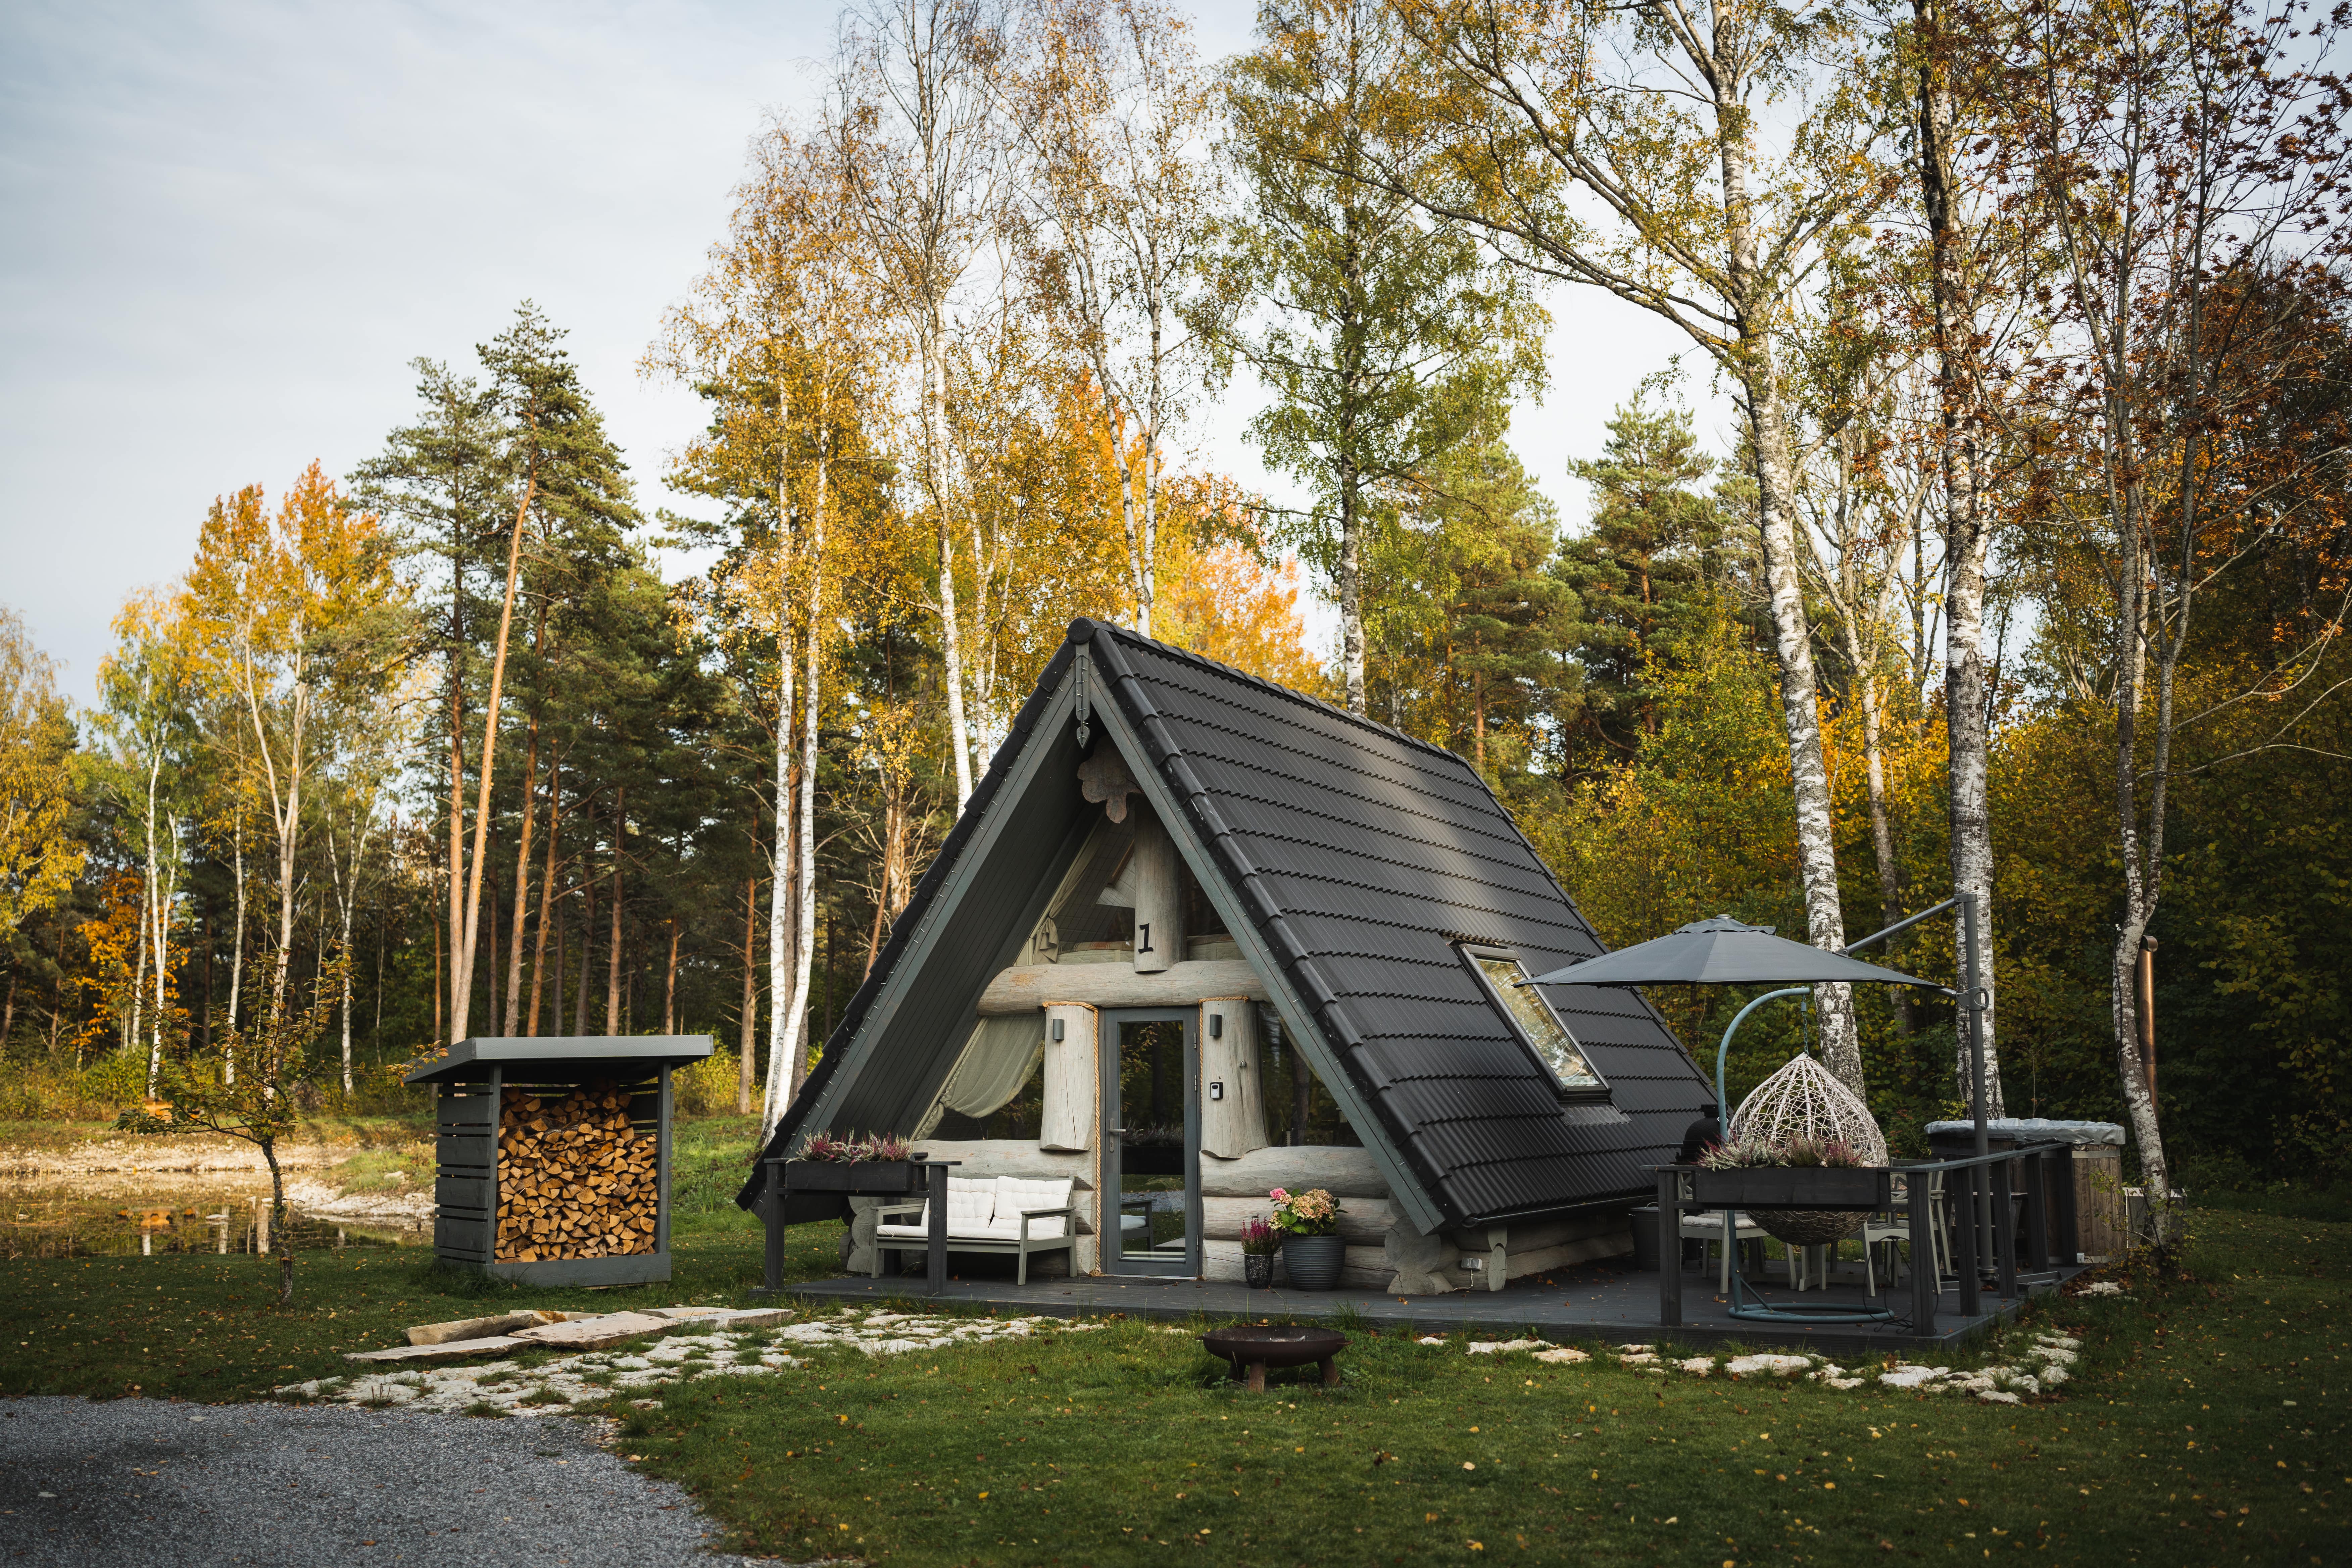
<point x="1967" y="540"/>
<point x="780" y="881"/>
<point x="1792" y="641"/>
<point x="935" y="421"/>
<point x="804" y="953"/>
<point x="236" y="949"/>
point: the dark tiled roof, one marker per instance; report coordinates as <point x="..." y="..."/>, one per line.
<point x="1364" y="856"/>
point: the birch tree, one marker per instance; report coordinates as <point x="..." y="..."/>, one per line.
<point x="2191" y="176"/>
<point x="1699" y="161"/>
<point x="147" y="691"/>
<point x="780" y="338"/>
<point x="1115" y="113"/>
<point x="1383" y="335"/>
<point x="283" y="611"/>
<point x="918" y="135"/>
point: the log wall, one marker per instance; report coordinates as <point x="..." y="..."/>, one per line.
<point x="1025" y="988"/>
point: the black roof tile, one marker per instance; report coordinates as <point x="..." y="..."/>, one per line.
<point x="1364" y="856"/>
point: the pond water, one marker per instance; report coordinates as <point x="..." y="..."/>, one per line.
<point x="45" y="1221"/>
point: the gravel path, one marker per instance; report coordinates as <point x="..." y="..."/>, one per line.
<point x="158" y="1485"/>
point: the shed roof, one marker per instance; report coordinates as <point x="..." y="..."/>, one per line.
<point x="464" y="1059"/>
<point x="1360" y="860"/>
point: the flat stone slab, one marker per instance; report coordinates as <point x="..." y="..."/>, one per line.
<point x="448" y="1349"/>
<point x="599" y="1333"/>
<point x="484" y="1328"/>
<point x="740" y="1318"/>
<point x="567" y="1331"/>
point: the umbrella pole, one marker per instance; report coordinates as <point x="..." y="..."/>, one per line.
<point x="1758" y="1311"/>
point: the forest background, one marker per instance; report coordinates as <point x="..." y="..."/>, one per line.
<point x="2027" y="573"/>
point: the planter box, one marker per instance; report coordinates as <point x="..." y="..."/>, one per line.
<point x="868" y="1178"/>
<point x="1793" y="1187"/>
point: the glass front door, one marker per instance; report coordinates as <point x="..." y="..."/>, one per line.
<point x="1151" y="1155"/>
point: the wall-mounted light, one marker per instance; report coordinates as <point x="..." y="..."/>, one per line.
<point x="1217" y="1025"/>
<point x="1058" y="1030"/>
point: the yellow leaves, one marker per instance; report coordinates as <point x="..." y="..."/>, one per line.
<point x="283" y="589"/>
<point x="38" y="857"/>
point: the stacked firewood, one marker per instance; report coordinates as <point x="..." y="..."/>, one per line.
<point x="575" y="1179"/>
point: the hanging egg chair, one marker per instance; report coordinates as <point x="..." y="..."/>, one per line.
<point x="1803" y="1103"/>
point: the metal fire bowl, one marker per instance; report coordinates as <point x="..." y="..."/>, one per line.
<point x="1273" y="1347"/>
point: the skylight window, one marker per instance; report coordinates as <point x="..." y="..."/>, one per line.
<point x="1535" y="1021"/>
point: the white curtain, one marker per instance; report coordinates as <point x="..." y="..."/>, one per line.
<point x="997" y="1062"/>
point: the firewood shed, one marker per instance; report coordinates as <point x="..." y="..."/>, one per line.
<point x="553" y="1155"/>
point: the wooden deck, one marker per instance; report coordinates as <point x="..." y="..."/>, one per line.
<point x="1604" y="1301"/>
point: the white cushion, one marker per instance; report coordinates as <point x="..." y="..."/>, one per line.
<point x="972" y="1200"/>
<point x="1014" y="1194"/>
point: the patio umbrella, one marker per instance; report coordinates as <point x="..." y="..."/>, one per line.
<point x="1723" y="952"/>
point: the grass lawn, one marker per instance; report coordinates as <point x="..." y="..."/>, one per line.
<point x="2194" y="1431"/>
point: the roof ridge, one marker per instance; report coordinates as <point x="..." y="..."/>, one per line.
<point x="1290" y="693"/>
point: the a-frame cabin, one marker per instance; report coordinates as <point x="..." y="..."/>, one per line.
<point x="1197" y="936"/>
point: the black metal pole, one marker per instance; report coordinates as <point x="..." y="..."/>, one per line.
<point x="1670" y="1248"/>
<point x="1926" y="1287"/>
<point x="2037" y="1209"/>
<point x="772" y="1273"/>
<point x="1964" y="1202"/>
<point x="939" y="1237"/>
<point x="2004" y="1231"/>
<point x="1972" y="1009"/>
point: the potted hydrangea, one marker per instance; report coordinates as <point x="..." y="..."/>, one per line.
<point x="1311" y="1248"/>
<point x="1260" y="1242"/>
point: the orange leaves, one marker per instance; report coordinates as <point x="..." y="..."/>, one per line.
<point x="1222" y="603"/>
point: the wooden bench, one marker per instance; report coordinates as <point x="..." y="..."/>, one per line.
<point x="1014" y="1215"/>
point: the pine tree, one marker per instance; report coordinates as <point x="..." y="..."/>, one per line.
<point x="1655" y="543"/>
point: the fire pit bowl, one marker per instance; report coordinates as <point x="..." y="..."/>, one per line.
<point x="1252" y="1349"/>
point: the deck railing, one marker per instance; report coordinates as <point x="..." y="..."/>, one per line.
<point x="1961" y="1187"/>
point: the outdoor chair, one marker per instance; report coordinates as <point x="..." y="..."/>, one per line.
<point x="1707" y="1225"/>
<point x="986" y="1214"/>
<point x="1894" y="1227"/>
<point x="1135" y="1212"/>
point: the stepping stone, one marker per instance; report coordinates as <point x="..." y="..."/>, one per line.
<point x="599" y="1333"/>
<point x="452" y="1350"/>
<point x="483" y="1328"/>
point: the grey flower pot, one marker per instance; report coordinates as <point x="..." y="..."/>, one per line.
<point x="1257" y="1269"/>
<point x="1314" y="1261"/>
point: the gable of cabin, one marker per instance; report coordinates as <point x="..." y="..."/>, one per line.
<point x="1344" y="906"/>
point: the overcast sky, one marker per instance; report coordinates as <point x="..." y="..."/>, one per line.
<point x="225" y="228"/>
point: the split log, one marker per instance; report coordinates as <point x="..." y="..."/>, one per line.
<point x="1364" y="1221"/>
<point x="1151" y="871"/>
<point x="1025" y="988"/>
<point x="576" y="1179"/>
<point x="1341" y="1170"/>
